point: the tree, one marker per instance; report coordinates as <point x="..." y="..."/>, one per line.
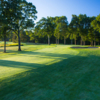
<point x="57" y="33"/>
<point x="96" y="23"/>
<point x="32" y="36"/>
<point x="91" y="32"/>
<point x="64" y="28"/>
<point x="91" y="35"/>
<point x="67" y="34"/>
<point x="4" y="32"/>
<point x="24" y="16"/>
<point x="70" y="33"/>
<point x="61" y="25"/>
<point x="44" y="27"/>
<point x="5" y="19"/>
<point x="83" y="27"/>
<point x="98" y="37"/>
<point x="96" y="26"/>
<point x="74" y="27"/>
<point x="57" y="29"/>
<point x="24" y="36"/>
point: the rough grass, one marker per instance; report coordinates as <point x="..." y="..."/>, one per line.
<point x="42" y="72"/>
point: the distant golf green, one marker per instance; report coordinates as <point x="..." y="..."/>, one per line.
<point x="55" y="72"/>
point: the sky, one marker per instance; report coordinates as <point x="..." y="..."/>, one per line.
<point x="66" y="8"/>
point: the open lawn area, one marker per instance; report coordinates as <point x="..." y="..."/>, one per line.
<point x="55" y="72"/>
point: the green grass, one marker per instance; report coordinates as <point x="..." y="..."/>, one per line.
<point x="42" y="72"/>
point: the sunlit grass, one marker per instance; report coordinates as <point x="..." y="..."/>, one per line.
<point x="42" y="72"/>
<point x="31" y="57"/>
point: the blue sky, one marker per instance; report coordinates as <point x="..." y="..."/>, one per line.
<point x="66" y="8"/>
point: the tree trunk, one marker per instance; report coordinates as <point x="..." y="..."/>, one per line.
<point x="75" y="41"/>
<point x="81" y="41"/>
<point x="19" y="47"/>
<point x="71" y="41"/>
<point x="91" y="43"/>
<point x="48" y="40"/>
<point x="56" y="40"/>
<point x="94" y="41"/>
<point x="84" y="42"/>
<point x="64" y="40"/>
<point x="5" y="43"/>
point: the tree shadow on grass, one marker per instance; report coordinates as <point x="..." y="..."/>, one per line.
<point x="44" y="54"/>
<point x="15" y="64"/>
<point x="75" y="78"/>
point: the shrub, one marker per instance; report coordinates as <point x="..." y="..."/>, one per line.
<point x="13" y="44"/>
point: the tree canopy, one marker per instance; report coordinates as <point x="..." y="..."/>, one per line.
<point x="17" y="15"/>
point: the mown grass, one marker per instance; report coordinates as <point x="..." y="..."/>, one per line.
<point x="42" y="72"/>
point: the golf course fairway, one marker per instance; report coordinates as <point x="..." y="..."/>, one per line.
<point x="55" y="72"/>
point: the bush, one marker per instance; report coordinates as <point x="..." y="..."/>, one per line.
<point x="13" y="44"/>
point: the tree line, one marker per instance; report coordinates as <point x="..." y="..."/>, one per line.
<point x="17" y="22"/>
<point x="81" y="28"/>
